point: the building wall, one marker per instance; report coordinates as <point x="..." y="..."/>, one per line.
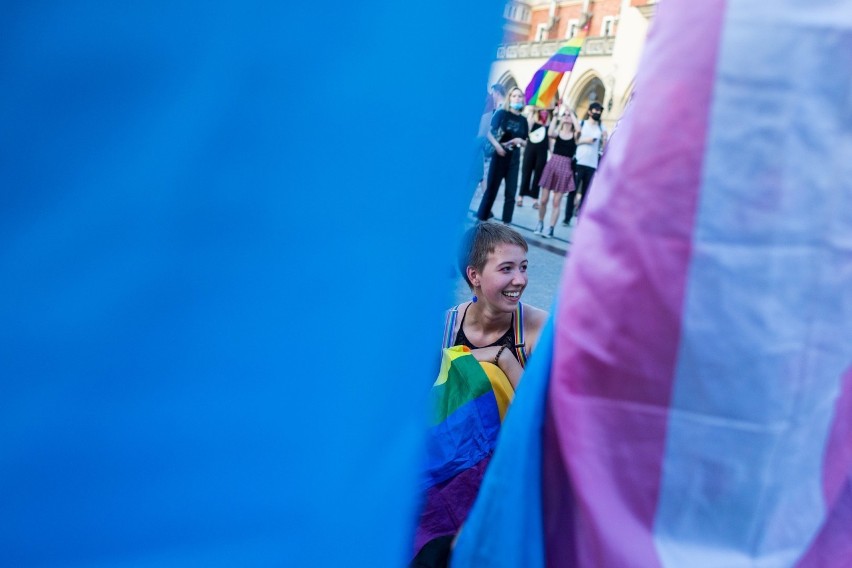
<point x="572" y="10"/>
<point x="601" y="10"/>
<point x="615" y="71"/>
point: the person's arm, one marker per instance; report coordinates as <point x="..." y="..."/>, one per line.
<point x="576" y="125"/>
<point x="498" y="148"/>
<point x="554" y="127"/>
<point x="507" y="362"/>
<point x="496" y="120"/>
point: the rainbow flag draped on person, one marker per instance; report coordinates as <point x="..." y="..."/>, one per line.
<point x="541" y="90"/>
<point x="469" y="401"/>
<point x="696" y="407"/>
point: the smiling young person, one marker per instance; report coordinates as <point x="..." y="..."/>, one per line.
<point x="495" y="325"/>
<point x="498" y="330"/>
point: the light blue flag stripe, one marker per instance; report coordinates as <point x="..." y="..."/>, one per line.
<point x="767" y="317"/>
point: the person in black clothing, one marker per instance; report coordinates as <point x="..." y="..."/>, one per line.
<point x="508" y="134"/>
<point x="535" y="156"/>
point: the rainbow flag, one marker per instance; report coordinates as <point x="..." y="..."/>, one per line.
<point x="696" y="407"/>
<point x="469" y="401"/>
<point x="541" y="90"/>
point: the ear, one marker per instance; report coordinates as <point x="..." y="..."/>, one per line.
<point x="473" y="276"/>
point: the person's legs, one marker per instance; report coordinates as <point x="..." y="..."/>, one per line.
<point x="589" y="176"/>
<point x="511" y="189"/>
<point x="569" y="205"/>
<point x="581" y="182"/>
<point x="540" y="162"/>
<point x="542" y="203"/>
<point x="526" y="175"/>
<point x="542" y="209"/>
<point x="554" y="214"/>
<point x="496" y="171"/>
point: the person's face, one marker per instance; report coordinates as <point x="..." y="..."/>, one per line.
<point x="516" y="97"/>
<point x="503" y="278"/>
<point x="595" y="113"/>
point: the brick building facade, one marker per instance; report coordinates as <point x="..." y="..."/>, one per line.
<point x="615" y="33"/>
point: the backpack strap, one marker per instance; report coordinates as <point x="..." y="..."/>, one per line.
<point x="519" y="335"/>
<point x="450" y="325"/>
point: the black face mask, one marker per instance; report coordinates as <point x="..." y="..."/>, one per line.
<point x="595" y="116"/>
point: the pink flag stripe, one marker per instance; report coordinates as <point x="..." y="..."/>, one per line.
<point x="833" y="544"/>
<point x="620" y="321"/>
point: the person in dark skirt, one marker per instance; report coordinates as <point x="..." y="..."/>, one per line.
<point x="535" y="157"/>
<point x="508" y="134"/>
<point x="558" y="176"/>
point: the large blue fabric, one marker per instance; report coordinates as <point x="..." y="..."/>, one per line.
<point x="208" y="257"/>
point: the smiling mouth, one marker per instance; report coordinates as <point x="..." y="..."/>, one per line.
<point x="513" y="295"/>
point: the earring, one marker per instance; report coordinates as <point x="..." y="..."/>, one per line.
<point x="474" y="299"/>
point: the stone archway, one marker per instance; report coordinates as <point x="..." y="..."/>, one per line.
<point x="588" y="90"/>
<point x="508" y="81"/>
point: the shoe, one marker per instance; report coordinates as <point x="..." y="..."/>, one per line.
<point x="520" y="202"/>
<point x="539" y="228"/>
<point x="535" y="204"/>
<point x="548" y="234"/>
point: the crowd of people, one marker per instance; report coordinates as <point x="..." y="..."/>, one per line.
<point x="550" y="151"/>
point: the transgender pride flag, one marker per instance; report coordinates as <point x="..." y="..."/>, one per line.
<point x="695" y="410"/>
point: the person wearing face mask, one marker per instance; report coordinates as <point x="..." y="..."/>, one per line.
<point x="590" y="142"/>
<point x="507" y="135"/>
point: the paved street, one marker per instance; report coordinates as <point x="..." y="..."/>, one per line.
<point x="546" y="256"/>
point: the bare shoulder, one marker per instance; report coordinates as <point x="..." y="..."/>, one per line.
<point x="460" y="307"/>
<point x="534" y="320"/>
<point x="460" y="311"/>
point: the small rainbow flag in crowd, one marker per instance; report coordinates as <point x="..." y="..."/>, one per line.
<point x="469" y="401"/>
<point x="542" y="89"/>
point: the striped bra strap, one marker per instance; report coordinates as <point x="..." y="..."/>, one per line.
<point x="450" y="325"/>
<point x="519" y="335"/>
